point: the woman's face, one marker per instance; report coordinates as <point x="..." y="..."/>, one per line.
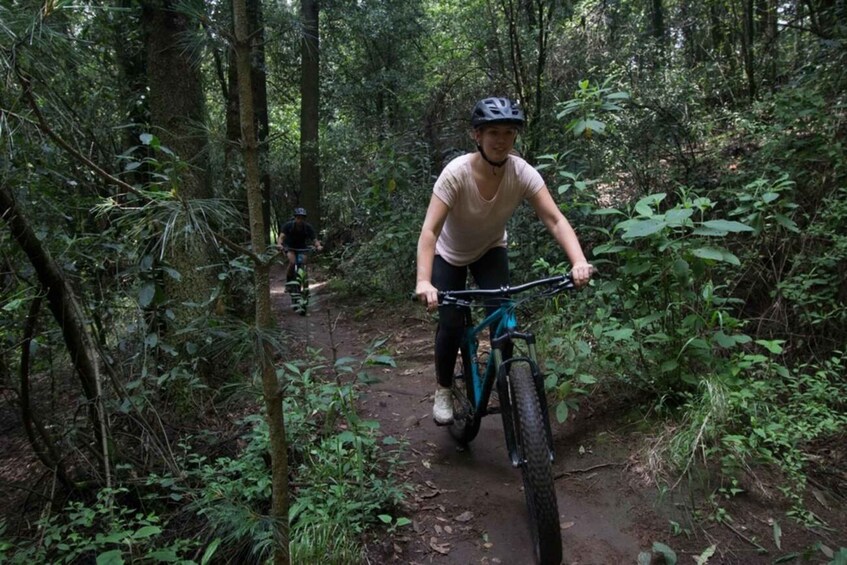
<point x="497" y="140"/>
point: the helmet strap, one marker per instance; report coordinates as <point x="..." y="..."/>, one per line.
<point x="489" y="161"/>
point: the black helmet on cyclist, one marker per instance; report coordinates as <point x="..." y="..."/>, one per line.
<point x="300" y="212"/>
<point x="496" y="110"/>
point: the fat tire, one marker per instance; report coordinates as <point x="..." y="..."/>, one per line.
<point x="536" y="467"/>
<point x="465" y="425"/>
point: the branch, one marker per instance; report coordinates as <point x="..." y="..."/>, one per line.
<point x="45" y="127"/>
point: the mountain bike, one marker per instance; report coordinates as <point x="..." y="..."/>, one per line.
<point x="512" y="369"/>
<point x="298" y="288"/>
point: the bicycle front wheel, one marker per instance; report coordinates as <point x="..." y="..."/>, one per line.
<point x="465" y="424"/>
<point x="303" y="298"/>
<point x="536" y="467"/>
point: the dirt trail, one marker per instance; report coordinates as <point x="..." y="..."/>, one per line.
<point x="468" y="506"/>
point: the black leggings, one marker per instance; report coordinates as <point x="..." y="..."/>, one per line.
<point x="489" y="271"/>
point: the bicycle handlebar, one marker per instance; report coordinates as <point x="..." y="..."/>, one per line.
<point x="465" y="297"/>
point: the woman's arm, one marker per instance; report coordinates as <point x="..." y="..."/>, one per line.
<point x="548" y="212"/>
<point x="436" y="214"/>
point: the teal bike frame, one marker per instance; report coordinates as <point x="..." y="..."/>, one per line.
<point x="481" y="382"/>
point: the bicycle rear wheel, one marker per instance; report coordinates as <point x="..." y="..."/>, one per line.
<point x="465" y="424"/>
<point x="536" y="468"/>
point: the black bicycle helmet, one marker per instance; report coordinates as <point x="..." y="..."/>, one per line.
<point x="300" y="212"/>
<point x="496" y="110"/>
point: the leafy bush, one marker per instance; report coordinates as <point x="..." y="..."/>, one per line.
<point x="105" y="531"/>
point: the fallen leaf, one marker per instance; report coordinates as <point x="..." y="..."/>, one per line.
<point x="426" y="463"/>
<point x="448" y="529"/>
<point x="821" y="497"/>
<point x="566" y="525"/>
<point x="438" y="529"/>
<point x="464" y="516"/>
<point x="442" y="548"/>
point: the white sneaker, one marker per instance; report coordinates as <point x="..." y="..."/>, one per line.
<point x="442" y="408"/>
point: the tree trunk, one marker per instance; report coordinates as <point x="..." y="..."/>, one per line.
<point x="271" y="389"/>
<point x="177" y="111"/>
<point x="310" y="179"/>
<point x="747" y="48"/>
<point x="69" y="316"/>
<point x="259" y="80"/>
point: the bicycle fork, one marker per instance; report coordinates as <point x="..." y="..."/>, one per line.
<point x="504" y="391"/>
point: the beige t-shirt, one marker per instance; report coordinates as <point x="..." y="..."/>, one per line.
<point x="475" y="225"/>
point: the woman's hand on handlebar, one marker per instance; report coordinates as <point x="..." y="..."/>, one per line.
<point x="427" y="294"/>
<point x="581" y="273"/>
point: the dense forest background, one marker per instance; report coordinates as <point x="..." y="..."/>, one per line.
<point x="152" y="148"/>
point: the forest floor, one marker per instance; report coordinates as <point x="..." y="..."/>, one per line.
<point x="467" y="505"/>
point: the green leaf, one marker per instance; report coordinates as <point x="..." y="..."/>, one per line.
<point x="681" y="268"/>
<point x="621" y="334"/>
<point x="706" y="232"/>
<point x="643" y="228"/>
<point x="677" y="216"/>
<point x="607" y="212"/>
<point x="703" y="558"/>
<point x="385" y="518"/>
<point x="724" y="340"/>
<point x="146" y="532"/>
<point x="609" y="248"/>
<point x="347" y="437"/>
<point x="382" y="360"/>
<point x="112" y="557"/>
<point x="666" y="552"/>
<point x="777" y="535"/>
<point x="787" y="223"/>
<point x="595" y="125"/>
<point x="646" y="204"/>
<point x="726" y="225"/>
<point x="561" y="412"/>
<point x="669" y="366"/>
<point x="146" y="295"/>
<point x="210" y="551"/>
<point x="716" y="254"/>
<point x="772" y="345"/>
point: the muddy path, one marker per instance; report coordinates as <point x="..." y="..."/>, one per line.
<point x="467" y="504"/>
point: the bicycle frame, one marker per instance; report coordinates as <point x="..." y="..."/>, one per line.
<point x="505" y="336"/>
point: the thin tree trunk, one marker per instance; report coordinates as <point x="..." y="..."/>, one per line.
<point x="259" y="80"/>
<point x="272" y="391"/>
<point x="310" y="179"/>
<point x="747" y="47"/>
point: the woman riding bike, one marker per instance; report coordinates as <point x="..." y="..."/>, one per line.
<point x="465" y="228"/>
